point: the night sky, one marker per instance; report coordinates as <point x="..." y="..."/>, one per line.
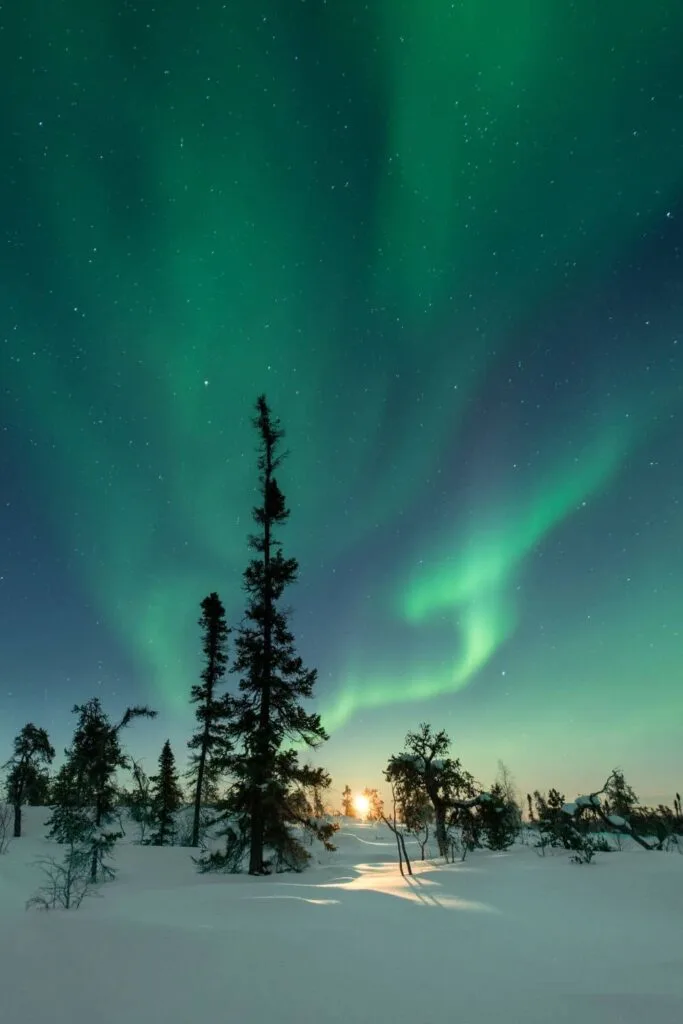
<point x="445" y="239"/>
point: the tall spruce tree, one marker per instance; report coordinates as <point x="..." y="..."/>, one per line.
<point x="210" y="744"/>
<point x="268" y="716"/>
<point x="167" y="798"/>
<point x="27" y="777"/>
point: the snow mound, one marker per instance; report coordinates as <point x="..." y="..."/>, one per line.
<point x="618" y="821"/>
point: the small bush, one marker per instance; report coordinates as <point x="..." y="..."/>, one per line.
<point x="207" y="819"/>
<point x="67" y="884"/>
<point x="230" y="860"/>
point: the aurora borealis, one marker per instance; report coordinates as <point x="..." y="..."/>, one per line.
<point x="445" y="239"/>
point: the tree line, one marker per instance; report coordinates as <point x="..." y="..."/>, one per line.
<point x="434" y="795"/>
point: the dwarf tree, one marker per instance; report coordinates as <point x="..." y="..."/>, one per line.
<point x="425" y="768"/>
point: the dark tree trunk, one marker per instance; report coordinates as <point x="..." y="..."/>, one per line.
<point x="440" y="828"/>
<point x="402" y="844"/>
<point x="256" y="864"/>
<point x="198" y="793"/>
<point x="256" y="860"/>
<point x="439" y="815"/>
<point x="18" y="801"/>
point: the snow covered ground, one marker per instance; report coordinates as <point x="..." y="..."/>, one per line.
<point x="508" y="937"/>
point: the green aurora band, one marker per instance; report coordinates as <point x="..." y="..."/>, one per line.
<point x="260" y="217"/>
<point x="473" y="579"/>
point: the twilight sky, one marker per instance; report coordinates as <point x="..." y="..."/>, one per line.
<point x="446" y="239"/>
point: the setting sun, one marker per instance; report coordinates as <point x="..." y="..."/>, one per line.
<point x="362" y="805"/>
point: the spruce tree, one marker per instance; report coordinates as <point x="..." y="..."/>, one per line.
<point x="71" y="820"/>
<point x="499" y="819"/>
<point x="167" y="798"/>
<point x="84" y="792"/>
<point x="347" y="802"/>
<point x="268" y="714"/>
<point x="210" y="744"/>
<point x="27" y="778"/>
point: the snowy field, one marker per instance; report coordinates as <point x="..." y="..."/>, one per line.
<point x="510" y="937"/>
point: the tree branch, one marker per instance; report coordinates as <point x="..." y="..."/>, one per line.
<point x="605" y="819"/>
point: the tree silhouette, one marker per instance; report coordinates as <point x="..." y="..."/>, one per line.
<point x="210" y="744"/>
<point x="167" y="798"/>
<point x="268" y="715"/>
<point x="32" y="753"/>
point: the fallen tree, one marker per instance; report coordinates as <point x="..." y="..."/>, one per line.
<point x="577" y="810"/>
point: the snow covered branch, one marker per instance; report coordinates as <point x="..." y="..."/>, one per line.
<point x="614" y="822"/>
